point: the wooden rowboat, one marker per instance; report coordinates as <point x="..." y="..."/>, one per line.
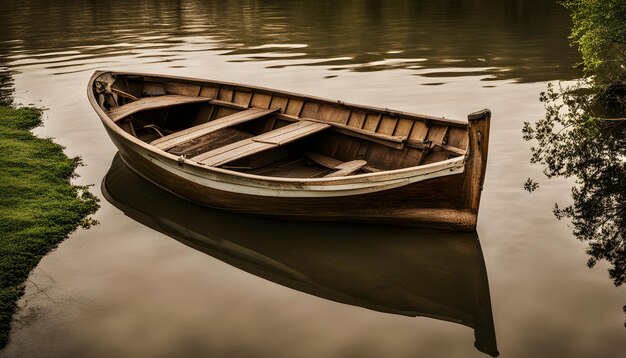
<point x="411" y="272"/>
<point x="267" y="152"/>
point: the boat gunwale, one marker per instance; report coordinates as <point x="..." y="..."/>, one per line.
<point x="382" y="176"/>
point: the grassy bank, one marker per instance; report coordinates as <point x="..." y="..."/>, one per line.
<point x="39" y="207"/>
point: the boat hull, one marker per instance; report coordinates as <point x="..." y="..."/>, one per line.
<point x="437" y="193"/>
<point x="429" y="203"/>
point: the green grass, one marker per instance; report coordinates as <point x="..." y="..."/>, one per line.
<point x="39" y="206"/>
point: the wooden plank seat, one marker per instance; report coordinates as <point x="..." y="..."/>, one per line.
<point x="213" y="140"/>
<point x="347" y="168"/>
<point x="342" y="168"/>
<point x="147" y="103"/>
<point x="189" y="134"/>
<point x="265" y="141"/>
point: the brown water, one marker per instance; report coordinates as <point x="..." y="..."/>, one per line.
<point x="161" y="282"/>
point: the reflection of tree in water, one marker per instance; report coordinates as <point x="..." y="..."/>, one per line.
<point x="573" y="142"/>
<point x="583" y="136"/>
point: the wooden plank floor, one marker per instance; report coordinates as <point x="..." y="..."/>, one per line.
<point x="290" y="168"/>
<point x="147" y="103"/>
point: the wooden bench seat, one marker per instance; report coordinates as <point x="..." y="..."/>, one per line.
<point x="147" y="103"/>
<point x="342" y="168"/>
<point x="347" y="168"/>
<point x="213" y="140"/>
<point x="259" y="143"/>
<point x="186" y="135"/>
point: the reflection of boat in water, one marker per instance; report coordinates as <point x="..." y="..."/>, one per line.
<point x="389" y="269"/>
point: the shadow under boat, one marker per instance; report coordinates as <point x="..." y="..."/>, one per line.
<point x="403" y="271"/>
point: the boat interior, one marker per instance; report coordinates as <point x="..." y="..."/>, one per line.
<point x="272" y="133"/>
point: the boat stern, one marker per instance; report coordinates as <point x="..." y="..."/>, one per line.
<point x="476" y="159"/>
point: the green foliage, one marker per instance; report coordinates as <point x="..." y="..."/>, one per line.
<point x="599" y="31"/>
<point x="39" y="206"/>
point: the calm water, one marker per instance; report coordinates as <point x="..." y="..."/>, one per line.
<point x="177" y="280"/>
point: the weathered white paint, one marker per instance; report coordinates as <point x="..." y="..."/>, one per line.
<point x="307" y="189"/>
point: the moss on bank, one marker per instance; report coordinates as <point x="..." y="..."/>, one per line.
<point x="39" y="206"/>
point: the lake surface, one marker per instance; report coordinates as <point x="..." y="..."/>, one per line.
<point x="160" y="277"/>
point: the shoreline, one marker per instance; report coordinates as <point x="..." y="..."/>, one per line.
<point x="39" y="205"/>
